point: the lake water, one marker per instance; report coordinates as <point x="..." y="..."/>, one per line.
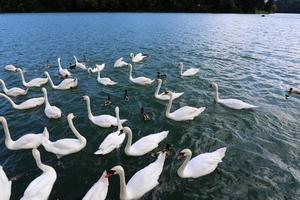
<point x="251" y="58"/>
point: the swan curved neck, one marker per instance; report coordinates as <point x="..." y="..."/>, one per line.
<point x="8" y="140"/>
<point x="119" y="121"/>
<point x="184" y="164"/>
<point x="46" y="98"/>
<point x="51" y="82"/>
<point x="181" y="69"/>
<point x="168" y="110"/>
<point x="98" y="74"/>
<point x="88" y="105"/>
<point x="123" y="191"/>
<point x="74" y="130"/>
<point x="4" y="86"/>
<point x="22" y="77"/>
<point x="59" y="65"/>
<point x="75" y="59"/>
<point x="10" y="100"/>
<point x="217" y="99"/>
<point x="43" y="167"/>
<point x="130" y="72"/>
<point x="129" y="142"/>
<point x="157" y="89"/>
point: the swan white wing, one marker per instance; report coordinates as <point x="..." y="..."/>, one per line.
<point x="15" y="91"/>
<point x="104" y="120"/>
<point x="190" y="72"/>
<point x="107" y="81"/>
<point x="235" y="104"/>
<point x="146" y="179"/>
<point x="99" y="189"/>
<point x="166" y="97"/>
<point x="142" y="80"/>
<point x="40" y="188"/>
<point x="64" y="146"/>
<point x="28" y="141"/>
<point x="186" y="112"/>
<point x="148" y="143"/>
<point x="5" y="185"/>
<point x="68" y="83"/>
<point x="111" y="142"/>
<point x="33" y="102"/>
<point x="37" y="82"/>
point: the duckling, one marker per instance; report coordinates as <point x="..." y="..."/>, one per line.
<point x="161" y="76"/>
<point x="144" y="115"/>
<point x="48" y="65"/>
<point x="126" y="97"/>
<point x="108" y="101"/>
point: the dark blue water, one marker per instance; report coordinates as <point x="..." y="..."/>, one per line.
<point x="252" y="58"/>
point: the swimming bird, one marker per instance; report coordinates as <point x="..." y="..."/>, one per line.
<point x="28" y="104"/>
<point x="189" y="72"/>
<point x="40" y="188"/>
<point x="37" y="82"/>
<point x="230" y="103"/>
<point x="99" y="189"/>
<point x="5" y="185"/>
<point x="139" y="80"/>
<point x="52" y="112"/>
<point x="143" y="145"/>
<point x="15" y="91"/>
<point x="105" y="121"/>
<point x="65" y="146"/>
<point x="105" y="81"/>
<point x="162" y="96"/>
<point x="120" y="63"/>
<point x="27" y="141"/>
<point x="66" y="84"/>
<point x="294" y="90"/>
<point x="113" y="140"/>
<point x="64" y="73"/>
<point x="79" y="65"/>
<point x="10" y="68"/>
<point x="184" y="113"/>
<point x="161" y="76"/>
<point x="144" y="115"/>
<point x="108" y="101"/>
<point x="138" y="57"/>
<point x="96" y="69"/>
<point x="200" y="165"/>
<point x="126" y="96"/>
<point x="142" y="181"/>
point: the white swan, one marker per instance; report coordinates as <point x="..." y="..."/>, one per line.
<point x="120" y="63"/>
<point x="294" y="90"/>
<point x="52" y="112"/>
<point x="66" y="84"/>
<point x="162" y="96"/>
<point x="105" y="81"/>
<point x="79" y="65"/>
<point x="64" y="73"/>
<point x="200" y="165"/>
<point x="142" y="181"/>
<point x="27" y="141"/>
<point x="15" y="91"/>
<point x="99" y="189"/>
<point x="65" y="146"/>
<point x="189" y="72"/>
<point x="230" y="103"/>
<point x="113" y="140"/>
<point x="184" y="113"/>
<point x="37" y="82"/>
<point x="139" y="80"/>
<point x="96" y="69"/>
<point x="40" y="188"/>
<point x="30" y="103"/>
<point x="105" y="121"/>
<point x="5" y="185"/>
<point x="138" y="57"/>
<point x="10" y="68"/>
<point x="144" y="144"/>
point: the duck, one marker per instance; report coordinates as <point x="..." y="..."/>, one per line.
<point x="189" y="72"/>
<point x="184" y="113"/>
<point x="64" y="73"/>
<point x="66" y="84"/>
<point x="162" y="96"/>
<point x="142" y="181"/>
<point x="10" y="68"/>
<point x="126" y="96"/>
<point x="40" y="187"/>
<point x="139" y="80"/>
<point x="105" y="81"/>
<point x="27" y="141"/>
<point x="28" y="104"/>
<point x="52" y="112"/>
<point x="112" y="141"/>
<point x="138" y="57"/>
<point x="14" y="92"/>
<point x="97" y="68"/>
<point x="143" y="145"/>
<point x="144" y="115"/>
<point x="120" y="63"/>
<point x="5" y="185"/>
<point x="99" y="189"/>
<point x="79" y="65"/>
<point x="108" y="101"/>
<point x="37" y="82"/>
<point x="161" y="76"/>
<point x="65" y="146"/>
<point x="200" y="165"/>
<point x="104" y="121"/>
<point x="230" y="103"/>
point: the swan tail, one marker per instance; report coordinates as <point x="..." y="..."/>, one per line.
<point x="99" y="152"/>
<point x="201" y="109"/>
<point x="123" y="121"/>
<point x="220" y="153"/>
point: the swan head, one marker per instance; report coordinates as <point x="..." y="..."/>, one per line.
<point x="46" y="133"/>
<point x="115" y="170"/>
<point x="159" y="80"/>
<point x="71" y="116"/>
<point x="58" y="59"/>
<point x="86" y="98"/>
<point x="3" y="120"/>
<point x="180" y="64"/>
<point x="117" y="110"/>
<point x="214" y="85"/>
<point x="46" y="73"/>
<point x="19" y="70"/>
<point x="184" y="153"/>
<point x="168" y="93"/>
<point x="290" y="90"/>
<point x="125" y="130"/>
<point x="131" y="55"/>
<point x="89" y="70"/>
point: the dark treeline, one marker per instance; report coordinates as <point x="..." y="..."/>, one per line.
<point x="216" y="6"/>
